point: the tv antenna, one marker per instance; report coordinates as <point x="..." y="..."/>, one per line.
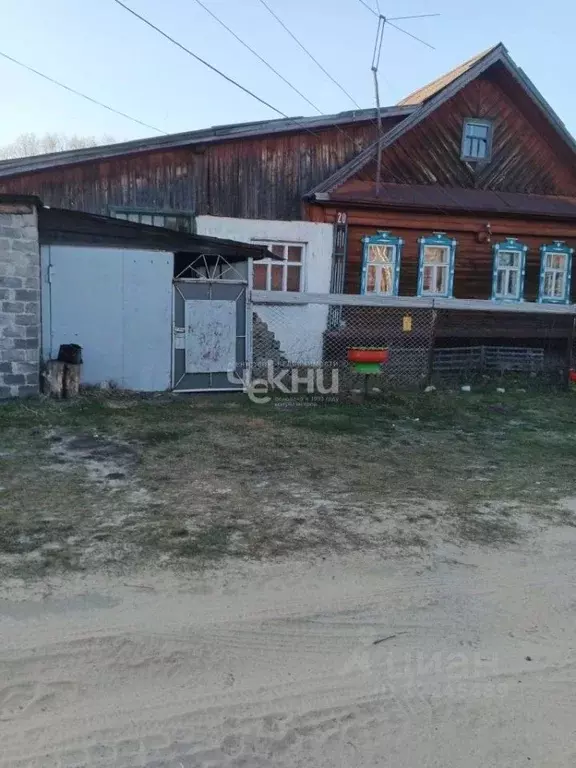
<point x="381" y="25"/>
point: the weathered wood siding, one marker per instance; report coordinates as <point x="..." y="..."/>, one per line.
<point x="473" y="266"/>
<point x="263" y="177"/>
<point x="526" y="155"/>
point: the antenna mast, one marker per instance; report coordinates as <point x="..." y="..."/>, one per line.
<point x="382" y="21"/>
<point x="375" y="65"/>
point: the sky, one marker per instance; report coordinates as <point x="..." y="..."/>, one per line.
<point x="100" y="49"/>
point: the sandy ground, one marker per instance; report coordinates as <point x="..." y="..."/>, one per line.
<point x="466" y="658"/>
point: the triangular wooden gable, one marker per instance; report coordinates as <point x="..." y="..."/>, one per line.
<point x="532" y="150"/>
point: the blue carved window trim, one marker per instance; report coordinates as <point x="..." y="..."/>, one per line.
<point x="427" y="267"/>
<point x="508" y="278"/>
<point x="550" y="275"/>
<point x="376" y="269"/>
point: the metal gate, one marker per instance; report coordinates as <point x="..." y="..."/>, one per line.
<point x="212" y="328"/>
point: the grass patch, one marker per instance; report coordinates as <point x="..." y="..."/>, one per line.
<point x="159" y="436"/>
<point x="110" y="480"/>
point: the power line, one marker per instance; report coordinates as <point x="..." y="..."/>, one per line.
<point x="260" y="58"/>
<point x="307" y="52"/>
<point x="79" y="93"/>
<point x="248" y="47"/>
<point x="344" y="133"/>
<point x="200" y="59"/>
<point x="243" y="88"/>
<point x="369" y="8"/>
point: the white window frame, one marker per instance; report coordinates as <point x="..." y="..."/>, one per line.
<point x="471" y="121"/>
<point x="448" y="245"/>
<point x="285" y="263"/>
<point x="557" y="249"/>
<point x="510" y="246"/>
<point x="379" y="266"/>
<point x="436" y="267"/>
<point x="381" y="240"/>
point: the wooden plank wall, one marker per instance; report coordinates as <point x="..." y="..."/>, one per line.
<point x="473" y="266"/>
<point x="262" y="177"/>
<point x="526" y="155"/>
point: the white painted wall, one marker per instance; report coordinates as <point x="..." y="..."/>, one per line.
<point x="115" y="303"/>
<point x="298" y="329"/>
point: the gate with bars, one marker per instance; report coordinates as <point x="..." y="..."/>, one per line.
<point x="211" y="326"/>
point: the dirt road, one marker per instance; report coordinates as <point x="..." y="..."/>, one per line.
<point x="466" y="659"/>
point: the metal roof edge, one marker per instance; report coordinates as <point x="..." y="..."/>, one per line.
<point x="535" y="94"/>
<point x="79" y="227"/>
<point x="17" y="166"/>
<point x="452" y="205"/>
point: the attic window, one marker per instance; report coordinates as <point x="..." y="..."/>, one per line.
<point x="477" y="140"/>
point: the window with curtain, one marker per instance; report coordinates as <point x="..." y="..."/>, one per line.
<point x="555" y="273"/>
<point x="509" y="269"/>
<point x="381" y="264"/>
<point x="436" y="265"/>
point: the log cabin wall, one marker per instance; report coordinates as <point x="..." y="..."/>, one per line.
<point x="527" y="156"/>
<point x="474" y="259"/>
<point x="473" y="275"/>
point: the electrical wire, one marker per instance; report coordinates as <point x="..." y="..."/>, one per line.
<point x="260" y="58"/>
<point x="248" y="47"/>
<point x="200" y="59"/>
<point x="79" y="93"/>
<point x="243" y="88"/>
<point x="310" y="56"/>
<point x="369" y="8"/>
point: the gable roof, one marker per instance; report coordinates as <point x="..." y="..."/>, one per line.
<point x="436" y="94"/>
<point x="423" y="94"/>
<point x="211" y="135"/>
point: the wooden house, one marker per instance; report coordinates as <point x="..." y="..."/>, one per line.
<point x="466" y="200"/>
<point x="475" y="199"/>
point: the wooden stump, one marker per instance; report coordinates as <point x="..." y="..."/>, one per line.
<point x="62" y="379"/>
<point x="54" y="378"/>
<point x="72" y="379"/>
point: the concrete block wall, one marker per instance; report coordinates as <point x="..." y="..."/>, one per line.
<point x="19" y="301"/>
